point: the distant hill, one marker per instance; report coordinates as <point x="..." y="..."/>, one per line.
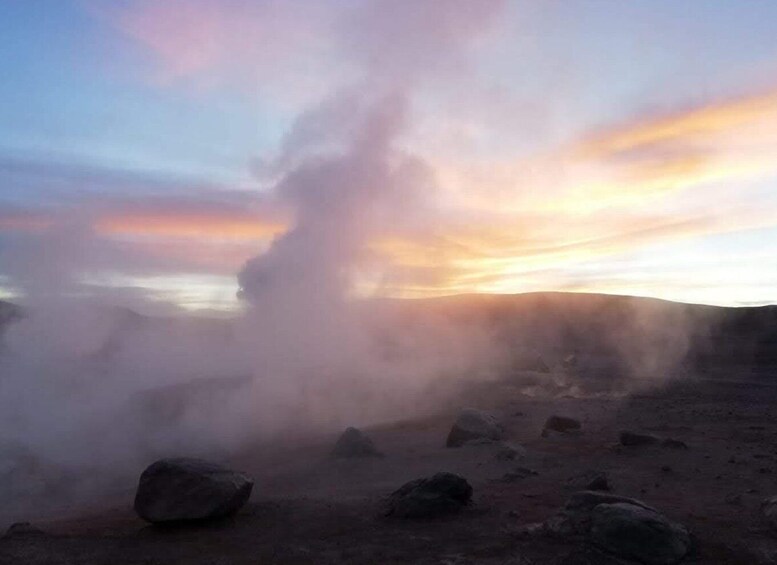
<point x="710" y="337"/>
<point x="595" y="328"/>
<point x="8" y="313"/>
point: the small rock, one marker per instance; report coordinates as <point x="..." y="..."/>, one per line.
<point x="560" y="424"/>
<point x="517" y="474"/>
<point x="442" y="493"/>
<point x="734" y="499"/>
<point x="22" y="529"/>
<point x="631" y="439"/>
<point x="674" y="444"/>
<point x="354" y="443"/>
<point x="190" y="489"/>
<point x="599" y="483"/>
<point x="589" y="480"/>
<point x="471" y="425"/>
<point x="510" y="452"/>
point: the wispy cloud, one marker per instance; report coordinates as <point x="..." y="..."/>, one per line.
<point x="584" y="201"/>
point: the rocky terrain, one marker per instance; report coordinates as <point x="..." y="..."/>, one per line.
<point x="576" y="454"/>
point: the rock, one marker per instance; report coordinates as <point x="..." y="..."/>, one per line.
<point x="733" y="498"/>
<point x="631" y="439"/>
<point x="623" y="527"/>
<point x="769" y="510"/>
<point x="531" y="363"/>
<point x="589" y="480"/>
<point x="479" y="442"/>
<point x="560" y="424"/>
<point x="574" y="519"/>
<point x="442" y="493"/>
<point x="510" y="452"/>
<point x="674" y="444"/>
<point x="640" y="533"/>
<point x="586" y="500"/>
<point x="599" y="483"/>
<point x="355" y="443"/>
<point x="189" y="489"/>
<point x="471" y="425"/>
<point x="23" y="529"/>
<point x="517" y="474"/>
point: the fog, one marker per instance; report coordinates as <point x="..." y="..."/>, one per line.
<point x="88" y="386"/>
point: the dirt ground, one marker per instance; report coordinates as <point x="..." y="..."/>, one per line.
<point x="309" y="508"/>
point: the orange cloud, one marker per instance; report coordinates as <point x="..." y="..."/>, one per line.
<point x="645" y="162"/>
<point x="516" y="255"/>
<point x="198" y="225"/>
<point x="703" y="125"/>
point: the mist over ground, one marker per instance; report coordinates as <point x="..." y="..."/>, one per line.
<point x="90" y="394"/>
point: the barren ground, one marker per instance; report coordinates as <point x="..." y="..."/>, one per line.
<point x="308" y="508"/>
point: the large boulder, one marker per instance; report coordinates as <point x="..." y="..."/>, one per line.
<point x="442" y="493"/>
<point x="639" y="533"/>
<point x="172" y="490"/>
<point x="625" y="527"/>
<point x="354" y="443"/>
<point x="474" y="425"/>
<point x="575" y="517"/>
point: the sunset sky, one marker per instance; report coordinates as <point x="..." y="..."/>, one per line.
<point x="149" y="148"/>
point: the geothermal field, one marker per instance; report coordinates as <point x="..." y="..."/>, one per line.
<point x="371" y="282"/>
<point x="574" y="405"/>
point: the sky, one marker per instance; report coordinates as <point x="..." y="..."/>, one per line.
<point x="152" y="152"/>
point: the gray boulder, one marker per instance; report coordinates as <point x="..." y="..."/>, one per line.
<point x="184" y="489"/>
<point x="624" y="527"/>
<point x="474" y="425"/>
<point x="355" y="443"/>
<point x="639" y="533"/>
<point x="442" y="493"/>
<point x="574" y="519"/>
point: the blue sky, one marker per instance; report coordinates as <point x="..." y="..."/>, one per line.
<point x="153" y="127"/>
